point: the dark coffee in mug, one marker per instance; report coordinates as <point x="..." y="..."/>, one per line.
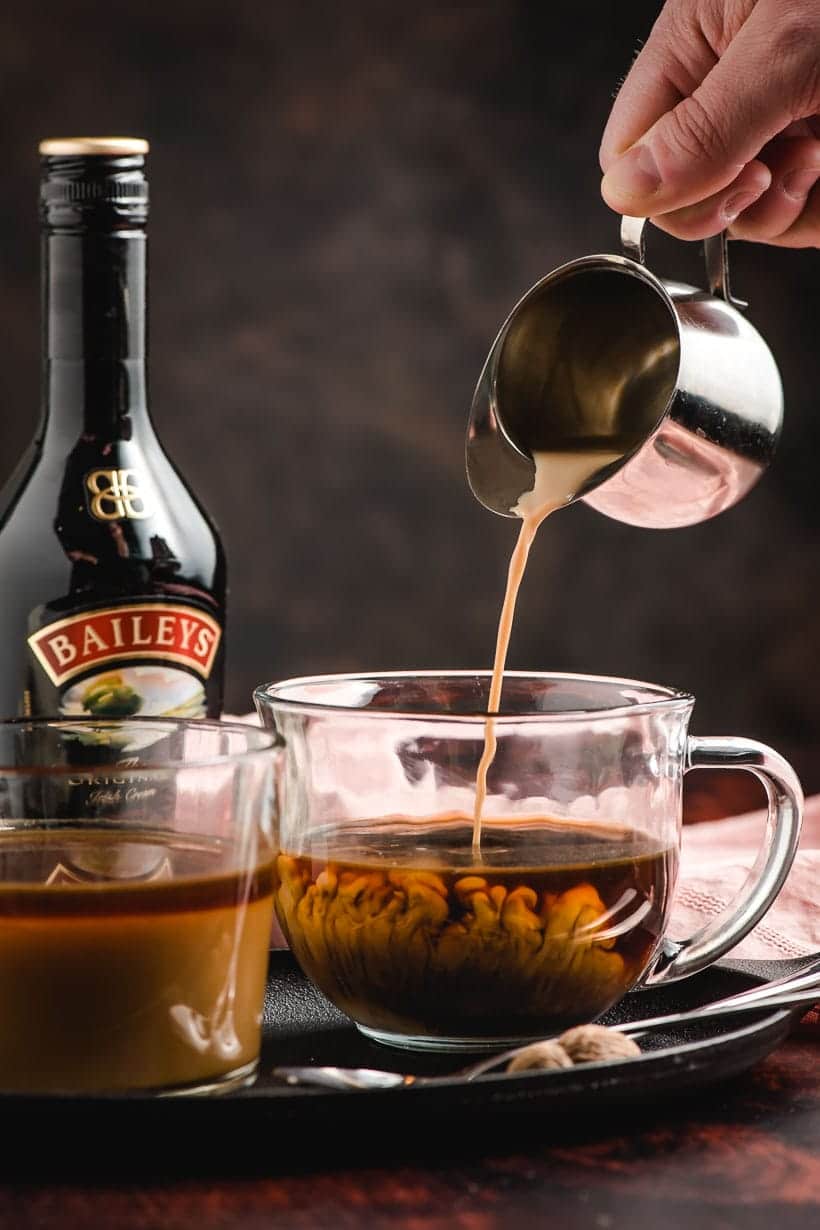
<point x="403" y="929"/>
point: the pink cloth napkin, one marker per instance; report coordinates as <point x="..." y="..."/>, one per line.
<point x="715" y="860"/>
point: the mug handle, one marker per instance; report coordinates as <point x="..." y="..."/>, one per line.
<point x="680" y="958"/>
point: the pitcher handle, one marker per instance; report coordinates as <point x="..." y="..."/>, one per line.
<point x="715" y="252"/>
<point x="679" y="959"/>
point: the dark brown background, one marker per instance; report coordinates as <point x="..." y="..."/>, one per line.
<point x="347" y="200"/>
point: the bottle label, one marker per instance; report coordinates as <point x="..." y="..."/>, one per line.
<point x="95" y="659"/>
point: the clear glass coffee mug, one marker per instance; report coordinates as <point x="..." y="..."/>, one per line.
<point x="424" y="945"/>
<point x="135" y="904"/>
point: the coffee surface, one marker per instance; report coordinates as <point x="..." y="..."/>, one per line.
<point x="128" y="961"/>
<point x="401" y="928"/>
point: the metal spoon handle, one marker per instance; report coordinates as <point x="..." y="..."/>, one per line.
<point x="343" y="1079"/>
<point x="807" y="975"/>
<point x="638" y="1028"/>
<point x="635" y="1029"/>
<point x="806" y="996"/>
<point x="807" y="983"/>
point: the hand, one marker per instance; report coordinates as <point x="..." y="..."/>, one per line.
<point x="717" y="124"/>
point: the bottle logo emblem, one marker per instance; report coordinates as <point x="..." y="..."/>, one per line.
<point x="135" y="632"/>
<point x="116" y="495"/>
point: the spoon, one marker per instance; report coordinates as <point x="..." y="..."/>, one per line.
<point x="792" y="991"/>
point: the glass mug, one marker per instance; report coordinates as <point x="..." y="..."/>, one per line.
<point x="136" y="902"/>
<point x="427" y="945"/>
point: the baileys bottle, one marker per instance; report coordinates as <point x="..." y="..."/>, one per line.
<point x="113" y="577"/>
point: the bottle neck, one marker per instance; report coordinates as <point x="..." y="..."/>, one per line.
<point x="94" y="333"/>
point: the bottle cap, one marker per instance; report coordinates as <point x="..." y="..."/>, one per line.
<point x="112" y="147"/>
<point x="96" y="182"/>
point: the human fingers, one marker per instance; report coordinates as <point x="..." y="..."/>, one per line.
<point x="720" y="210"/>
<point x="671" y="65"/>
<point x="794" y="163"/>
<point x="766" y="78"/>
<point x="805" y="232"/>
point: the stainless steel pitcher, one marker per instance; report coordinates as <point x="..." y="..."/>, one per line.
<point x="603" y="355"/>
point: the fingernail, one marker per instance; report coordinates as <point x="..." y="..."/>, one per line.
<point x="798" y="184"/>
<point x="634" y="174"/>
<point x="735" y="205"/>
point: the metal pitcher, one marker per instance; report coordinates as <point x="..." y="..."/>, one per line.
<point x="603" y="355"/>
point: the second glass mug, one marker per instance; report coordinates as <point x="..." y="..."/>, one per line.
<point x="426" y="946"/>
<point x="136" y="903"/>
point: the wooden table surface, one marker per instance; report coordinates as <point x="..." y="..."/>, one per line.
<point x="744" y="1154"/>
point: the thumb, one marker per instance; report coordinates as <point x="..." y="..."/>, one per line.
<point x="761" y="83"/>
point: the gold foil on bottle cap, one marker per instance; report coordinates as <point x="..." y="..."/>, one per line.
<point x="111" y="147"/>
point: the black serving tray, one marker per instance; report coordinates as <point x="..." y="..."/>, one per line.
<point x="270" y="1120"/>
